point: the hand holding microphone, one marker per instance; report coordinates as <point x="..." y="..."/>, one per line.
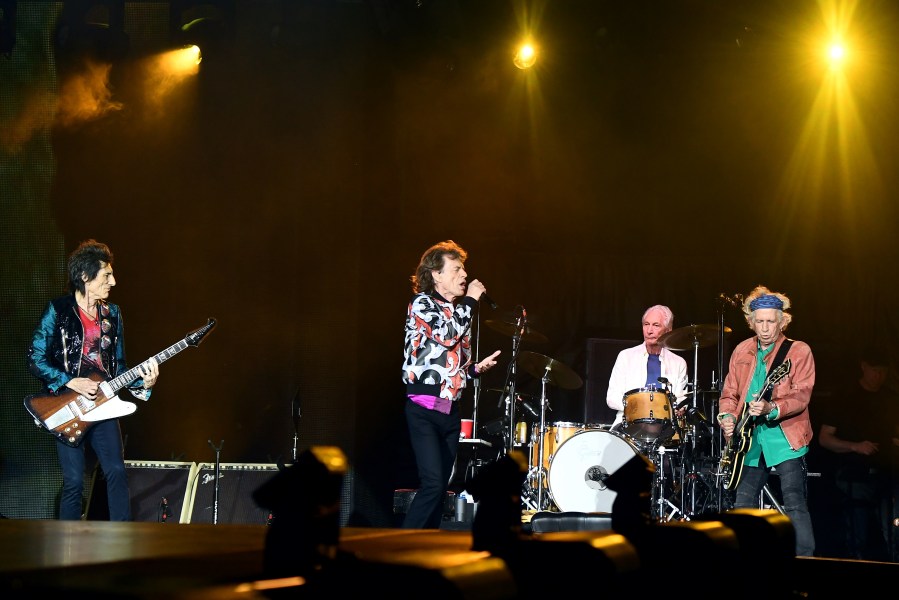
<point x="476" y="286"/>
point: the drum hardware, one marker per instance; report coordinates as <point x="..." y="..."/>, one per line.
<point x="698" y="481"/>
<point x="693" y="337"/>
<point x="518" y="331"/>
<point x="660" y="503"/>
<point x="685" y="338"/>
<point x="541" y="472"/>
<point x="550" y="371"/>
<point x="525" y="413"/>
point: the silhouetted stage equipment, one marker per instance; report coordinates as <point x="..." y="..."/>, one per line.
<point x="303" y="552"/>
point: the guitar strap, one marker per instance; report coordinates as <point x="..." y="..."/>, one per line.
<point x="778" y="358"/>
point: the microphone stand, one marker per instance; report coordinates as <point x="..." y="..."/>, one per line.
<point x="690" y="445"/>
<point x="718" y="438"/>
<point x="296" y="411"/>
<point x="215" y="489"/>
<point x="509" y="387"/>
<point x="476" y="396"/>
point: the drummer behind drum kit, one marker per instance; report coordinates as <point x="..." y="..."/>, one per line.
<point x="570" y="462"/>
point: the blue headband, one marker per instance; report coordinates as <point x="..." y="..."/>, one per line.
<point x="767" y="301"/>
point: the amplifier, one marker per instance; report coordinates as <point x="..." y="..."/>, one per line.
<point x="160" y="491"/>
<point x="236" y="484"/>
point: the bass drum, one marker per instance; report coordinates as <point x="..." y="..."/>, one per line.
<point x="580" y="467"/>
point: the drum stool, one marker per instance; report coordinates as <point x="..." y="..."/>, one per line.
<point x="547" y="521"/>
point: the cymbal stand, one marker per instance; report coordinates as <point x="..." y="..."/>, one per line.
<point x="689" y="474"/>
<point x="661" y="504"/>
<point x="541" y="475"/>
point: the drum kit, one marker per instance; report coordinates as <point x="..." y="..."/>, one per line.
<point x="569" y="462"/>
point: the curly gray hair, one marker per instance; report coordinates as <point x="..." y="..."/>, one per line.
<point x="759" y="291"/>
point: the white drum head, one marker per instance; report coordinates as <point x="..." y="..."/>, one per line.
<point x="580" y="467"/>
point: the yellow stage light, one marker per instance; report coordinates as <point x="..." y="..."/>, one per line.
<point x="836" y="54"/>
<point x="525" y="57"/>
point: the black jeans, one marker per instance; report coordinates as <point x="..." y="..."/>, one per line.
<point x="435" y="441"/>
<point x="105" y="438"/>
<point x="794" y="488"/>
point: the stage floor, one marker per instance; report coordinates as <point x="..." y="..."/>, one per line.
<point x="152" y="560"/>
<point x="99" y="559"/>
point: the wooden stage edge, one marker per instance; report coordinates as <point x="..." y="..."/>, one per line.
<point x="100" y="559"/>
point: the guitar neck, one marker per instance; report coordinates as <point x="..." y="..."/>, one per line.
<point x="134" y="373"/>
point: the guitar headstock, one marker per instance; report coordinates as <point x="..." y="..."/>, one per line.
<point x="782" y="370"/>
<point x="195" y="337"/>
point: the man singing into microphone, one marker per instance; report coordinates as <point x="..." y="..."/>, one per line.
<point x="642" y="366"/>
<point x="436" y="369"/>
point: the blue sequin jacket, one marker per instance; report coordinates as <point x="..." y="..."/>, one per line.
<point x="54" y="355"/>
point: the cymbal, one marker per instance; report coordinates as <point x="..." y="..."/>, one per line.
<point x="683" y="338"/>
<point x="557" y="374"/>
<point x="509" y="329"/>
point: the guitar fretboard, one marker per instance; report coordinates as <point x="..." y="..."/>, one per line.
<point x="134" y="373"/>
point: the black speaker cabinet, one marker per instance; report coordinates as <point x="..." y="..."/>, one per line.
<point x="601" y="356"/>
<point x="236" y="484"/>
<point x="159" y="491"/>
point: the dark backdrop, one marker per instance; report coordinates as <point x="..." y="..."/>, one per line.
<point x="658" y="153"/>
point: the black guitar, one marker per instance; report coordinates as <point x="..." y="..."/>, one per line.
<point x="68" y="415"/>
<point x="731" y="465"/>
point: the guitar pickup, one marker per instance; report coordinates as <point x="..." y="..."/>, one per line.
<point x="60" y="417"/>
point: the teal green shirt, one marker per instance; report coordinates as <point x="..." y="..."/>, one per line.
<point x="767" y="436"/>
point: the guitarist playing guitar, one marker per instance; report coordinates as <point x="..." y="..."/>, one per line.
<point x="778" y="425"/>
<point x="78" y="343"/>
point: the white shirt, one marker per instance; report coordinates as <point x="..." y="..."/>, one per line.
<point x="629" y="373"/>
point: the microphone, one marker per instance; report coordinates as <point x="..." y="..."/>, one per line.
<point x="488" y="300"/>
<point x="530" y="408"/>
<point x="663" y="380"/>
